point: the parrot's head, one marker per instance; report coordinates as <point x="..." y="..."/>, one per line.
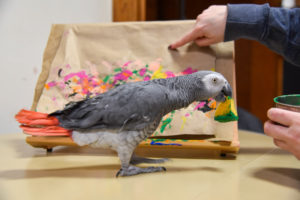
<point x="214" y="84"/>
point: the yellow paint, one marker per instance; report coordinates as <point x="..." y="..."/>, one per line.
<point x="226" y="111"/>
<point x="225" y="107"/>
<point x="158" y="74"/>
<point x="183" y="122"/>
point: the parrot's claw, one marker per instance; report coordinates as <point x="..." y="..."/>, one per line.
<point x="133" y="170"/>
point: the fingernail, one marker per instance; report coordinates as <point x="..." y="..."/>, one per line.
<point x="270" y="112"/>
<point x="171" y="48"/>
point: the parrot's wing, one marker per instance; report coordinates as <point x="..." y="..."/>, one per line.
<point x="130" y="107"/>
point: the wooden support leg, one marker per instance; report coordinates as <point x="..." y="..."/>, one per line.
<point x="49" y="150"/>
<point x="223" y="155"/>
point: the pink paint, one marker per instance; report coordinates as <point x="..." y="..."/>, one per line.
<point x="200" y="105"/>
<point x="95" y="82"/>
<point x="126" y="64"/>
<point x="147" y="78"/>
<point x="123" y="76"/>
<point x="143" y="71"/>
<point x="187" y="115"/>
<point x="85" y="91"/>
<point x="169" y="74"/>
<point x="119" y="77"/>
<point x="80" y="75"/>
<point x="62" y="85"/>
<point x="52" y="84"/>
<point x="68" y="66"/>
<point x="127" y="73"/>
<point x="189" y="70"/>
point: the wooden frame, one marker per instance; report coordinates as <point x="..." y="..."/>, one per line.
<point x="171" y="148"/>
<point x="129" y="10"/>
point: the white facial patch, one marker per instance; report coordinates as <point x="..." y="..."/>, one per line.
<point x="214" y="82"/>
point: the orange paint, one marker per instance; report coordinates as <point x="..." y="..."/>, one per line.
<point x="75" y="80"/>
<point x="47" y="87"/>
<point x="213" y="105"/>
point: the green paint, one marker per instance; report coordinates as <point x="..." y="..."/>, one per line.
<point x="106" y="78"/>
<point x="118" y="70"/>
<point x="165" y="123"/>
<point x="159" y="140"/>
<point x="227" y="118"/>
<point x="230" y="116"/>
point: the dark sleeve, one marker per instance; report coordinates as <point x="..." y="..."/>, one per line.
<point x="277" y="28"/>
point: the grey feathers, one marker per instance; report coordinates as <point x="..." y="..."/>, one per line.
<point x="134" y="106"/>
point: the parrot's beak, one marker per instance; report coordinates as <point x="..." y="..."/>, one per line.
<point x="225" y="92"/>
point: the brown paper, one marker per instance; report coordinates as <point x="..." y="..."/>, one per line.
<point x="80" y="57"/>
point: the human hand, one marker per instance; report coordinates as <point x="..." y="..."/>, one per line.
<point x="209" y="28"/>
<point x="284" y="128"/>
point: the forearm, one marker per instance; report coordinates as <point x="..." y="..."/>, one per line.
<point x="277" y="28"/>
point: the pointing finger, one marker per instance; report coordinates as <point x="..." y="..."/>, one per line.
<point x="190" y="36"/>
<point x="204" y="41"/>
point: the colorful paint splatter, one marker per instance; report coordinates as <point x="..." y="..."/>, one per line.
<point x="88" y="83"/>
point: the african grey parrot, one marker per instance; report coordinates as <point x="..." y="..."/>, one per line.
<point x="126" y="115"/>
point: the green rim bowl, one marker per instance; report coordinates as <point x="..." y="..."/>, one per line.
<point x="288" y="102"/>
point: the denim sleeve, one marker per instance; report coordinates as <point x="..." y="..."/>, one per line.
<point x="277" y="28"/>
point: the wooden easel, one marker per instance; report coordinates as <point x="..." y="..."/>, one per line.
<point x="153" y="147"/>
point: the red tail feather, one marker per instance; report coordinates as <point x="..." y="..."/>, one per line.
<point x="41" y="124"/>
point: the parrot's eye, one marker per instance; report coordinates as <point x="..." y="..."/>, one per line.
<point x="215" y="80"/>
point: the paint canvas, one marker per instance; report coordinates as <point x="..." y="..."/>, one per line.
<point x="82" y="61"/>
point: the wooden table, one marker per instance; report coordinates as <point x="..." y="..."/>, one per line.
<point x="258" y="171"/>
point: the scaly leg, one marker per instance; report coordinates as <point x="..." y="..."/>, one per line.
<point x="133" y="170"/>
<point x="129" y="170"/>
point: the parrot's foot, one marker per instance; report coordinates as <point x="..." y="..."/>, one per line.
<point x="137" y="160"/>
<point x="133" y="170"/>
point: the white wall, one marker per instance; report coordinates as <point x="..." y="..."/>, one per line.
<point x="24" y="29"/>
